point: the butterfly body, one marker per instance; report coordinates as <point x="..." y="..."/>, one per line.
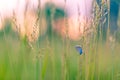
<point x="79" y="49"/>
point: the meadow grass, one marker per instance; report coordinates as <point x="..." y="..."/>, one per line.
<point x="56" y="58"/>
<point x="18" y="61"/>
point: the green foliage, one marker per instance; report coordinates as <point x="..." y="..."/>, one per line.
<point x="52" y="13"/>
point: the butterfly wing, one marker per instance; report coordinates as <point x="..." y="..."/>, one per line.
<point x="79" y="49"/>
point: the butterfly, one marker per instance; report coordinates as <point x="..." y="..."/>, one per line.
<point x="79" y="49"/>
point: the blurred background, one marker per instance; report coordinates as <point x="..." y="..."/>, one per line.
<point x="38" y="39"/>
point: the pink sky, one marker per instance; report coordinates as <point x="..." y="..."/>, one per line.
<point x="18" y="6"/>
<point x="71" y="6"/>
